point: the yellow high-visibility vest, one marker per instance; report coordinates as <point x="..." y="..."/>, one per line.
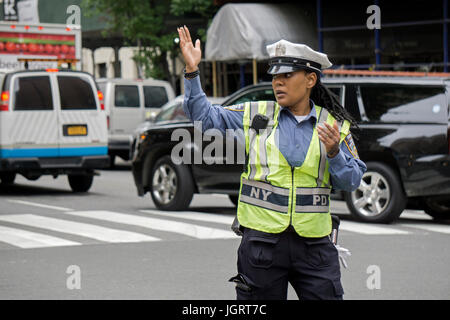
<point x="274" y="195"/>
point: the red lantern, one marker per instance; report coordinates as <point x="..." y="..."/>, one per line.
<point x="64" y="48"/>
<point x="32" y="47"/>
<point x="56" y="49"/>
<point x="10" y="47"/>
<point x="48" y="48"/>
<point x="23" y="47"/>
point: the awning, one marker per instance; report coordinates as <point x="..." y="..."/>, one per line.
<point x="241" y="31"/>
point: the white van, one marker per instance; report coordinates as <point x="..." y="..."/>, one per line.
<point x="128" y="103"/>
<point x="52" y="122"/>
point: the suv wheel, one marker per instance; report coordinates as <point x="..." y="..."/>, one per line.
<point x="172" y="185"/>
<point x="7" y="178"/>
<point x="80" y="183"/>
<point x="379" y="198"/>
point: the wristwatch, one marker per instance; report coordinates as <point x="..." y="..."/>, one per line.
<point x="191" y="75"/>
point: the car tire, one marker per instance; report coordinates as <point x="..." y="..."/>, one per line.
<point x="172" y="186"/>
<point x="234" y="199"/>
<point x="7" y="178"/>
<point x="380" y="197"/>
<point x="80" y="183"/>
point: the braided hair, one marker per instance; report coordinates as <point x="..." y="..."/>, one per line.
<point x="325" y="98"/>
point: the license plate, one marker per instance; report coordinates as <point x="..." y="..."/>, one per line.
<point x="79" y="130"/>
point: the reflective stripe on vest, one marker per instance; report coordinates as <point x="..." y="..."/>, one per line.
<point x="257" y="140"/>
<point x="323" y="152"/>
<point x="312" y="200"/>
<point x="265" y="195"/>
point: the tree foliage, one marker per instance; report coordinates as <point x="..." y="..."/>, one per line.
<point x="142" y="23"/>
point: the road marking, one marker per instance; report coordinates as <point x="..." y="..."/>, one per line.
<point x="196" y="216"/>
<point x="187" y="229"/>
<point x="428" y="227"/>
<point x="34" y="204"/>
<point x="27" y="240"/>
<point x="228" y="220"/>
<point x="416" y="215"/>
<point x="365" y="228"/>
<point x="77" y="228"/>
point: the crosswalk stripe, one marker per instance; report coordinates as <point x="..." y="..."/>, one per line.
<point x="192" y="230"/>
<point x="227" y="220"/>
<point x="28" y="240"/>
<point x="368" y="228"/>
<point x="415" y="215"/>
<point x="34" y="204"/>
<point x="428" y="227"/>
<point x="196" y="216"/>
<point x="77" y="228"/>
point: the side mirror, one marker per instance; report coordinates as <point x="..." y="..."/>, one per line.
<point x="150" y="116"/>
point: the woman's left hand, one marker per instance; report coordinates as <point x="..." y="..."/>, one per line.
<point x="330" y="136"/>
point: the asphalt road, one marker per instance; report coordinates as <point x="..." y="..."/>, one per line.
<point x="112" y="244"/>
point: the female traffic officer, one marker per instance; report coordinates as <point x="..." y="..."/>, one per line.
<point x="297" y="149"/>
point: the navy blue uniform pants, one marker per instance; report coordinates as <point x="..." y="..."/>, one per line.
<point x="268" y="262"/>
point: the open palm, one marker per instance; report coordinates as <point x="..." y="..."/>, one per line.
<point x="192" y="55"/>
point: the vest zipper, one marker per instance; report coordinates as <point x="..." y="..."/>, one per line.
<point x="293" y="194"/>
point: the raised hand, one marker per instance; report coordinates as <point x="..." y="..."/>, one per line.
<point x="330" y="137"/>
<point x="192" y="55"/>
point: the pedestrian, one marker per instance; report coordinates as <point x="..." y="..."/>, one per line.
<point x="297" y="149"/>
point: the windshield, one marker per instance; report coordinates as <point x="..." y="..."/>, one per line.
<point x="173" y="112"/>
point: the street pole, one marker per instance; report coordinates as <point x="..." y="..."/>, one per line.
<point x="214" y="76"/>
<point x="255" y="72"/>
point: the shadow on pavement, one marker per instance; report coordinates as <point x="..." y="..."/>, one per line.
<point x="119" y="167"/>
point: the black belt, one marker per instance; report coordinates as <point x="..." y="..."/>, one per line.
<point x="289" y="229"/>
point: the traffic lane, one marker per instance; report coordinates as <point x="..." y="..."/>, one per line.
<point x="413" y="266"/>
<point x="165" y="270"/>
<point x="113" y="189"/>
<point x="398" y="258"/>
<point x="410" y="267"/>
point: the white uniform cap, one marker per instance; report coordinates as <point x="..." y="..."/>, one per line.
<point x="286" y="57"/>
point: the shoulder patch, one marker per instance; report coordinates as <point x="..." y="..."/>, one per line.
<point x="351" y="146"/>
<point x="236" y="107"/>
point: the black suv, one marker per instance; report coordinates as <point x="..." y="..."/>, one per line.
<point x="403" y="137"/>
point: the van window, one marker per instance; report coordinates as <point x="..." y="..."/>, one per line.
<point x="155" y="97"/>
<point x="32" y="93"/>
<point x="397" y="103"/>
<point x="76" y="93"/>
<point x="126" y="96"/>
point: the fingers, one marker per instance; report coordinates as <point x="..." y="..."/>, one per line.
<point x="328" y="134"/>
<point x="323" y="136"/>
<point x="185" y="36"/>
<point x="188" y="35"/>
<point x="197" y="44"/>
<point x="181" y="36"/>
<point x="333" y="130"/>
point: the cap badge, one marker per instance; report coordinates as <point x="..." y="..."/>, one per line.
<point x="280" y="50"/>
